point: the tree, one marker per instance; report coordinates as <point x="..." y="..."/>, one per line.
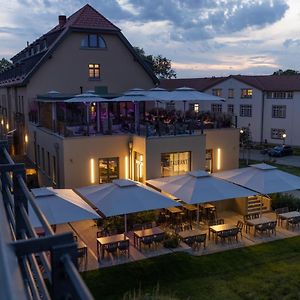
<point x="161" y="66"/>
<point x="286" y="72"/>
<point x="4" y="64"/>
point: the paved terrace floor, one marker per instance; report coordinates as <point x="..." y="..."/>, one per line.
<point x="86" y="231"/>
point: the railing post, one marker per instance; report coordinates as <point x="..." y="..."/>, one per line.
<point x="61" y="288"/>
<point x="19" y="199"/>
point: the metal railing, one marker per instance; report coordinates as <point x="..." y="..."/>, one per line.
<point x="32" y="267"/>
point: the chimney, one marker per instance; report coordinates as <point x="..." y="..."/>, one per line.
<point x="62" y="20"/>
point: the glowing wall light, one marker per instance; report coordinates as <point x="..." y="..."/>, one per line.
<point x="7" y="126"/>
<point x="92" y="169"/>
<point x="2" y="122"/>
<point x="218" y="159"/>
<point x="26" y="138"/>
<point x="126" y="167"/>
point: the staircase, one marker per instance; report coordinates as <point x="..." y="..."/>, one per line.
<point x="255" y="202"/>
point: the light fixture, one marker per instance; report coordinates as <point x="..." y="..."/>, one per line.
<point x="7" y="126"/>
<point x="92" y="169"/>
<point x="241" y="131"/>
<point x="26" y="138"/>
<point x="218" y="159"/>
<point x="2" y="122"/>
<point x="126" y="167"/>
<point x="284" y="135"/>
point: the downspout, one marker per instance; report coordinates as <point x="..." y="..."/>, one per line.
<point x="262" y="118"/>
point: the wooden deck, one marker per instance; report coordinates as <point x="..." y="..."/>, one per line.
<point x="86" y="231"/>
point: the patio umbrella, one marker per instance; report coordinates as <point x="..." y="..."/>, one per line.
<point x="60" y="206"/>
<point x="198" y="187"/>
<point x="122" y="197"/>
<point x="262" y="178"/>
<point x="190" y="94"/>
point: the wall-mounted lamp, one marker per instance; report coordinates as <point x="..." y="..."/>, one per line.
<point x="26" y="138"/>
<point x="92" y="170"/>
<point x="218" y="159"/>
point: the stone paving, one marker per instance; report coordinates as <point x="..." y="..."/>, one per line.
<point x="86" y="231"/>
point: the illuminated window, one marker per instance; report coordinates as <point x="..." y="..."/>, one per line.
<point x="196" y="107"/>
<point x="230" y="93"/>
<point x="246" y="110"/>
<point x="93" y="41"/>
<point x="217" y="92"/>
<point x="175" y="163"/>
<point x="94" y="71"/>
<point x="246" y="93"/>
<point x="209" y="160"/>
<point x="279" y="111"/>
<point x="108" y="169"/>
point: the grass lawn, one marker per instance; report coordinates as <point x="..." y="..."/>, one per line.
<point x="266" y="271"/>
<point x="289" y="169"/>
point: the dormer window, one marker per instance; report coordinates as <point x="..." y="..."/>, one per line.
<point x="38" y="48"/>
<point x="32" y="51"/>
<point x="93" y="41"/>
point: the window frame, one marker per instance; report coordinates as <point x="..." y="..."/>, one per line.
<point x="87" y="39"/>
<point x="217" y="92"/>
<point x="230" y="111"/>
<point x="93" y="69"/>
<point x="173" y="153"/>
<point x="216" y="111"/>
<point x="107" y="159"/>
<point x="245" y="108"/>
<point x="279" y="111"/>
<point x="230" y="93"/>
<point x="246" y="95"/>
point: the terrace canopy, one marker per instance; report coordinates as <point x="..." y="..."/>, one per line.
<point x="60" y="206"/>
<point x="263" y="178"/>
<point x="122" y="197"/>
<point x="198" y="187"/>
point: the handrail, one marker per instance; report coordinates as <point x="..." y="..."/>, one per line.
<point x="14" y="200"/>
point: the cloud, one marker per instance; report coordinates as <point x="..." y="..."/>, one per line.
<point x="291" y="43"/>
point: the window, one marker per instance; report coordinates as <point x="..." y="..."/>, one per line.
<point x="217" y="92"/>
<point x="290" y="95"/>
<point x="54" y="169"/>
<point x="209" y="160"/>
<point x="43" y="159"/>
<point x="280" y="95"/>
<point x="49" y="164"/>
<point x="216" y="108"/>
<point x="230" y="109"/>
<point x="195" y="107"/>
<point x="138" y="164"/>
<point x="278" y="111"/>
<point x="175" y="163"/>
<point x="108" y="169"/>
<point x="246" y="110"/>
<point x="93" y="41"/>
<point x="94" y="71"/>
<point x="277" y="133"/>
<point x="246" y="93"/>
<point x="230" y="93"/>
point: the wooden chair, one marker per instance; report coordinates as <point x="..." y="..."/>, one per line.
<point x="240" y="226"/>
<point x="123" y="247"/>
<point x="272" y="227"/>
<point x="147" y="241"/>
<point x="200" y="239"/>
<point x="111" y="248"/>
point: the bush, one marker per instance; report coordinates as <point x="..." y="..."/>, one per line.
<point x="171" y="241"/>
<point x="280" y="200"/>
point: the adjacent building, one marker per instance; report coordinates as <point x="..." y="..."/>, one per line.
<point x="267" y="105"/>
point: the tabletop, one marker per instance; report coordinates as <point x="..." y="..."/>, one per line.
<point x="190" y="207"/>
<point x="81" y="244"/>
<point x="112" y="239"/>
<point x="190" y="233"/>
<point x="222" y="227"/>
<point x="148" y="232"/>
<point x="174" y="210"/>
<point x="258" y="221"/>
<point x="207" y="205"/>
<point x="291" y="214"/>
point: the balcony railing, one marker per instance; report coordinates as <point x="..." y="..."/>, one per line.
<point x="32" y="267"/>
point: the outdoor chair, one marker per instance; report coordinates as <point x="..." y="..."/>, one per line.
<point x="262" y="228"/>
<point x="112" y="232"/>
<point x="240" y="226"/>
<point x="186" y="226"/>
<point x="111" y="248"/>
<point x="123" y="247"/>
<point x="247" y="218"/>
<point x="137" y="227"/>
<point x="158" y="239"/>
<point x="272" y="227"/>
<point x="190" y="241"/>
<point x="223" y="235"/>
<point x="255" y="216"/>
<point x="147" y="241"/>
<point x="200" y="239"/>
<point x="220" y="221"/>
<point x="293" y="222"/>
<point x="233" y="233"/>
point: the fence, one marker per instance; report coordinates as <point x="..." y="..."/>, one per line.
<point x="32" y="267"/>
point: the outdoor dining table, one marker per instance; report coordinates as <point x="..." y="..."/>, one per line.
<point x="174" y="210"/>
<point x="190" y="207"/>
<point x="103" y="241"/>
<point x="190" y="233"/>
<point x="139" y="234"/>
<point x="288" y="215"/>
<point x="256" y="222"/>
<point x="215" y="229"/>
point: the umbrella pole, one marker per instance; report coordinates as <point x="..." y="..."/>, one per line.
<point x="125" y="223"/>
<point x="198" y="222"/>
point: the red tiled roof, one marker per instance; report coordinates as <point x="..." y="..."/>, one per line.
<point x="87" y="17"/>
<point x="261" y="82"/>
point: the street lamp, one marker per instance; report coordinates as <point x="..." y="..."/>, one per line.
<point x="283" y="138"/>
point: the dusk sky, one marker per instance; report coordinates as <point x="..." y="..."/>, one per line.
<point x="201" y="37"/>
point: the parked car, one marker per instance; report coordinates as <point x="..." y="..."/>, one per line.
<point x="279" y="151"/>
